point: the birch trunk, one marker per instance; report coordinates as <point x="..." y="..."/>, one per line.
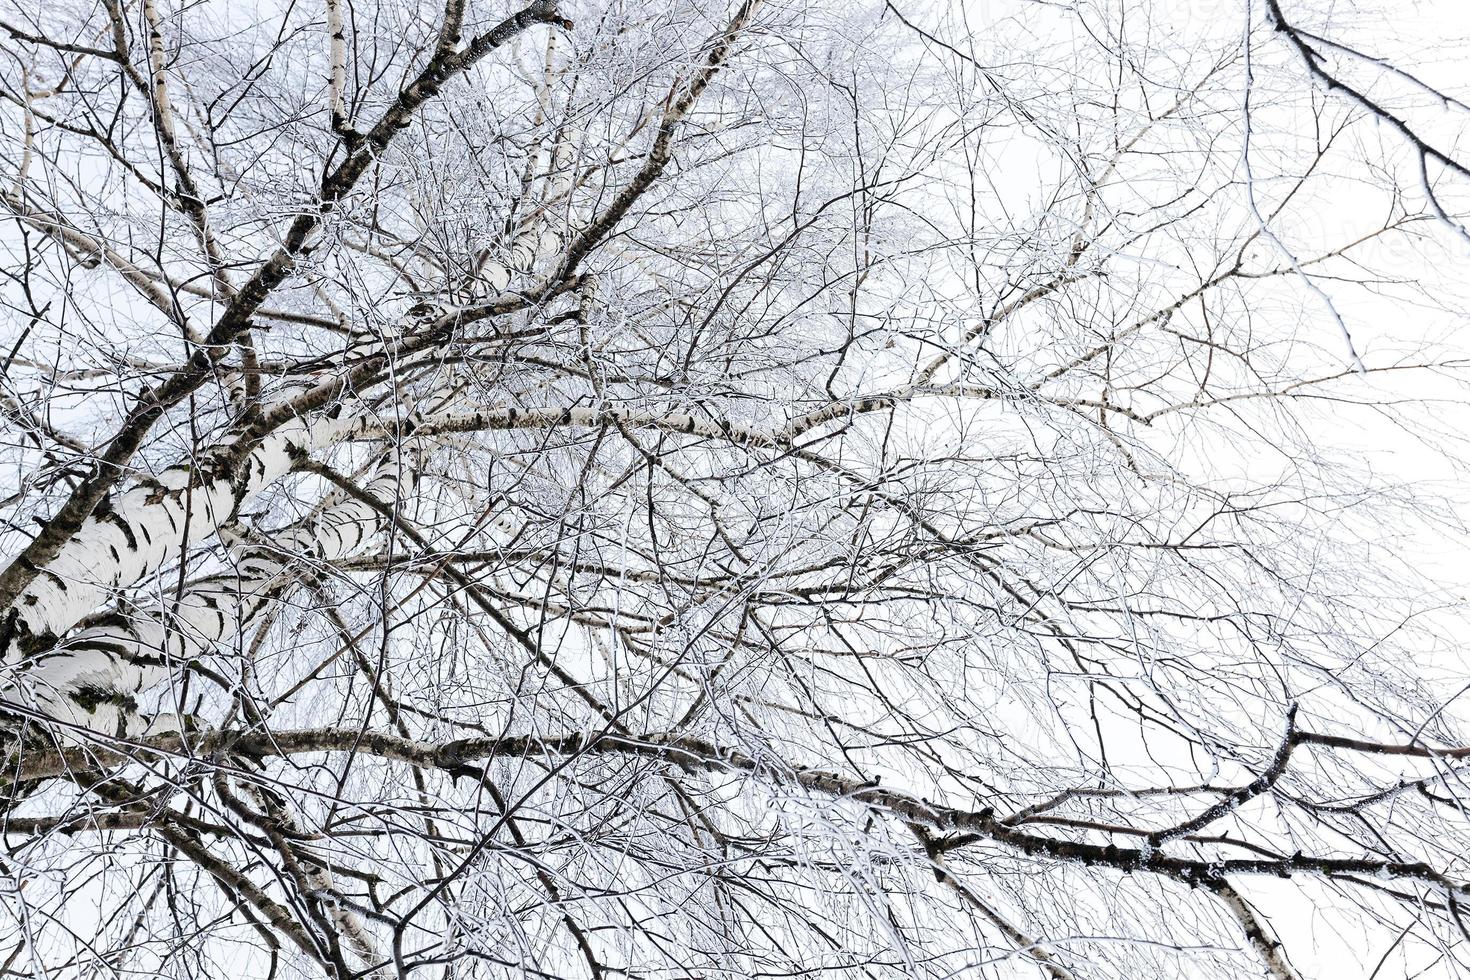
<point x="94" y="679"/>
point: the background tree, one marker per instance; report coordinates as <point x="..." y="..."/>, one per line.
<point x="780" y="489"/>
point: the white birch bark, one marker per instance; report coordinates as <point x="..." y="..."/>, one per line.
<point x="148" y="526"/>
<point x="337" y="47"/>
<point x="94" y="678"/>
<point x="510" y="417"/>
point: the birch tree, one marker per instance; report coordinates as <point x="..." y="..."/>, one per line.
<point x="729" y="489"/>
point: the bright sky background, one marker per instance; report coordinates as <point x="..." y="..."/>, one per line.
<point x="1431" y="38"/>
